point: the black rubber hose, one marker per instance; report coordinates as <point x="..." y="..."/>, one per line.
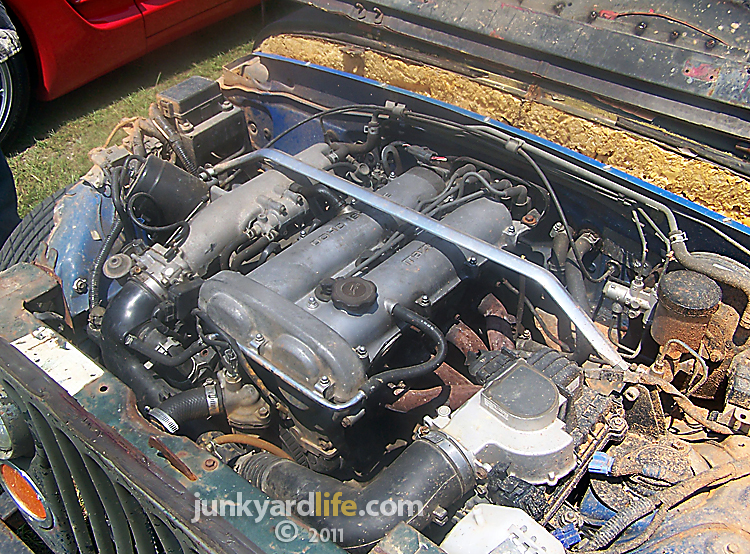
<point x="129" y="309"/>
<point x="717" y="267"/>
<point x="519" y="193"/>
<point x="139" y="149"/>
<point x="332" y="199"/>
<point x="149" y="390"/>
<point x="405" y="373"/>
<point x="95" y="274"/>
<point x="189" y="405"/>
<point x="574" y="274"/>
<point x="372" y="141"/>
<point x="166" y="129"/>
<point x="229" y="250"/>
<point x="422" y="474"/>
<point x="170" y="361"/>
<point x="249" y="253"/>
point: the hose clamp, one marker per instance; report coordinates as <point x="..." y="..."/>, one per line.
<point x="455" y="454"/>
<point x="212" y="398"/>
<point x="678" y="236"/>
<point x="164" y="419"/>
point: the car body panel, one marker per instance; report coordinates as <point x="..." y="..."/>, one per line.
<point x="698" y="80"/>
<point x="76" y="50"/>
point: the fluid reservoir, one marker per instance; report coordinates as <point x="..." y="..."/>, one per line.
<point x="687" y="300"/>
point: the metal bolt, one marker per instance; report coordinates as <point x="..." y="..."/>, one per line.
<point x="641" y="28"/>
<point x="440" y="515"/>
<point x="312" y="303"/>
<point x="259" y="338"/>
<point x="81" y="285"/>
<point x="559" y="7"/>
<point x="302" y="234"/>
<point x="674" y="35"/>
<point x="710" y="44"/>
<point x="471" y="260"/>
<point x="481" y="473"/>
<point x="529" y="220"/>
<point x="593" y="15"/>
<point x="361" y="351"/>
<point x="618" y="424"/>
<point x="263" y="411"/>
<point x="324" y="380"/>
<point x="210" y="464"/>
<point x="557" y="228"/>
<point x="424" y="301"/>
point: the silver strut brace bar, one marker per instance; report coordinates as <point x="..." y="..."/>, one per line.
<point x="541" y="276"/>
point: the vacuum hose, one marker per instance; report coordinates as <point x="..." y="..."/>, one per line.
<point x="405" y="373"/>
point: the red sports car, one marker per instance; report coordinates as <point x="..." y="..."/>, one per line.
<point x="67" y="43"/>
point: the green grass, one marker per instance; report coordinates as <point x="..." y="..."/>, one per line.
<point x="52" y="150"/>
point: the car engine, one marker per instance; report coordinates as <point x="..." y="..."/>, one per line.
<point x="415" y="309"/>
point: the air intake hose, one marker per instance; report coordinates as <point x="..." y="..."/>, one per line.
<point x="129" y="309"/>
<point x="430" y="474"/>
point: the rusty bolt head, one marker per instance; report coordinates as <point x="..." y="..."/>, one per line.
<point x="618" y="424"/>
<point x="210" y="464"/>
<point x="529" y="220"/>
<point x="481" y="473"/>
<point x="422" y="430"/>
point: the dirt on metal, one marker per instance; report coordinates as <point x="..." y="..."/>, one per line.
<point x="700" y="181"/>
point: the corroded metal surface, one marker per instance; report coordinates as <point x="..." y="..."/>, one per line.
<point x="498" y="323"/>
<point x="465" y="339"/>
<point x="19" y="285"/>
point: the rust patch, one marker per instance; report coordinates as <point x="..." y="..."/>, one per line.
<point x="702" y="72"/>
<point x="465" y="339"/>
<point x="172" y="458"/>
<point x="499" y="323"/>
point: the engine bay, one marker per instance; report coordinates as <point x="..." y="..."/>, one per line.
<point x="386" y="303"/>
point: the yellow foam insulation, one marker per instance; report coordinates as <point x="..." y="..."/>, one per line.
<point x="700" y="181"/>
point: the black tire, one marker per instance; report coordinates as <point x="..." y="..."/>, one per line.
<point x="14" y="98"/>
<point x="23" y="243"/>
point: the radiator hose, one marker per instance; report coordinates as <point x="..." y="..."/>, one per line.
<point x="430" y="473"/>
<point x="190" y="405"/>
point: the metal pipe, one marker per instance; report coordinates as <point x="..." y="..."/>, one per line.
<point x="505" y="259"/>
<point x="343" y="407"/>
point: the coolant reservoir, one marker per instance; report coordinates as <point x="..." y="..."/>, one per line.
<point x="489" y="528"/>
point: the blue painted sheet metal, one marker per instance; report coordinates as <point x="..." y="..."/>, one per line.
<point x="83" y="218"/>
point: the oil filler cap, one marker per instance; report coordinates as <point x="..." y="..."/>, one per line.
<point x="353" y="294"/>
